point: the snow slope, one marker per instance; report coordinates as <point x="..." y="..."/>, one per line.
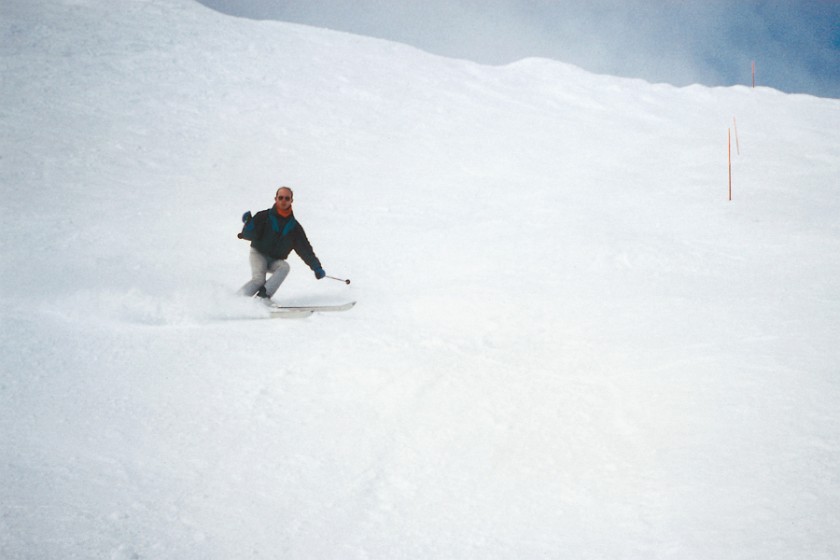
<point x="568" y="342"/>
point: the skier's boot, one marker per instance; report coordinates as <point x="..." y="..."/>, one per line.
<point x="263" y="296"/>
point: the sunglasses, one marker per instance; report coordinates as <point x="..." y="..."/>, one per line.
<point x="284" y="198"/>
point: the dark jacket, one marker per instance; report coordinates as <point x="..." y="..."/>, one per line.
<point x="275" y="236"/>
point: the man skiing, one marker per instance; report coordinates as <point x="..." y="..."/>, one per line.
<point x="273" y="234"/>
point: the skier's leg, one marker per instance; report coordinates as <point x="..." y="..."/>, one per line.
<point x="279" y="271"/>
<point x="259" y="268"/>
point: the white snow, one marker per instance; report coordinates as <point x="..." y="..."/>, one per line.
<point x="568" y="342"/>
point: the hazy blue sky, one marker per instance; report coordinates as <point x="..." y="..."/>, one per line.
<point x="795" y="43"/>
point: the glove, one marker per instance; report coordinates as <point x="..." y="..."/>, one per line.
<point x="246" y="216"/>
<point x="239" y="235"/>
<point x="319" y="273"/>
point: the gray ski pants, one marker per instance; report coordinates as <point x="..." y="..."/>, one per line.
<point x="260" y="266"/>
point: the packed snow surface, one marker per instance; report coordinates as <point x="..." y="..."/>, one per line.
<point x="568" y="342"/>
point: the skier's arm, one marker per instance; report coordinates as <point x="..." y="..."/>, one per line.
<point x="304" y="250"/>
<point x="251" y="230"/>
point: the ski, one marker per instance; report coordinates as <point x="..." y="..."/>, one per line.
<point x="281" y="310"/>
<point x="286" y="314"/>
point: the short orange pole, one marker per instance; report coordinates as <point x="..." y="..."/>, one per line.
<point x="737" y="142"/>
<point x="729" y="157"/>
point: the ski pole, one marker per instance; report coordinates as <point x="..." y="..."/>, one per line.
<point x="339" y="279"/>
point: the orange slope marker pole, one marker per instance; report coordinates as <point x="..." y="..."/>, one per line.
<point x="729" y="158"/>
<point x="737" y="143"/>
